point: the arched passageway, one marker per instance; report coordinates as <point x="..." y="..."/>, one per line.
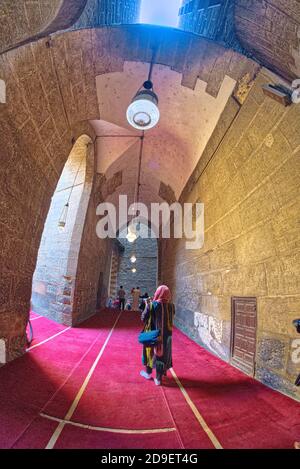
<point x="138" y="262"/>
<point x="134" y="265"/>
<point x="55" y="275"/>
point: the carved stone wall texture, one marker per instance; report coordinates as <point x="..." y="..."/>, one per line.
<point x="93" y="262"/>
<point x="36" y="139"/>
<point x="56" y="267"/>
<point x="108" y="12"/>
<point x="270" y="29"/>
<point x="248" y="178"/>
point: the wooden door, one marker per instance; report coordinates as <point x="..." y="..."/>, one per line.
<point x="243" y="334"/>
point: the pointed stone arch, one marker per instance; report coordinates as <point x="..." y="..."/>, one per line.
<point x="51" y="97"/>
<point x="55" y="276"/>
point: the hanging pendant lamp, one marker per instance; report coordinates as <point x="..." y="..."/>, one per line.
<point x="63" y="217"/>
<point x="131" y="234"/>
<point x="143" y="112"/>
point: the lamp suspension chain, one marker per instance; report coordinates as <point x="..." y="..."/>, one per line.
<point x="63" y="217"/>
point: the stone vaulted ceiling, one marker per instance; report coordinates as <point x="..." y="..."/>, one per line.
<point x="173" y="147"/>
<point x="267" y="29"/>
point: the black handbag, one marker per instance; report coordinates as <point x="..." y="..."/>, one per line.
<point x="296" y="323"/>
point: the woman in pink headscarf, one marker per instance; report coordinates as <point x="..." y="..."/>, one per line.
<point x="159" y="315"/>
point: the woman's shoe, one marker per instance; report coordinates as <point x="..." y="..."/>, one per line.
<point x="157" y="382"/>
<point x="145" y="375"/>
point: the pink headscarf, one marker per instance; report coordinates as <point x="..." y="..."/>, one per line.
<point x="162" y="294"/>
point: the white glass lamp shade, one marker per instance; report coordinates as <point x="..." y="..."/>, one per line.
<point x="143" y="112"/>
<point x="131" y="234"/>
<point x="133" y="270"/>
<point x="131" y="237"/>
<point x="63" y="218"/>
<point x="61" y="225"/>
<point x="133" y="259"/>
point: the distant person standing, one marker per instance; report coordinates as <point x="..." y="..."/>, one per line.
<point x="143" y="301"/>
<point x="121" y="295"/>
<point x="136" y="298"/>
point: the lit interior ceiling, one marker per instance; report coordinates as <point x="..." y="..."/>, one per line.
<point x="160" y="12"/>
<point x="171" y="149"/>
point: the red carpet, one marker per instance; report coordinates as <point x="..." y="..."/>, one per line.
<point x="242" y="412"/>
<point x="43" y="328"/>
<point x="28" y="383"/>
<point x="239" y="411"/>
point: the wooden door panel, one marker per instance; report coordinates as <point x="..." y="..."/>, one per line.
<point x="243" y="335"/>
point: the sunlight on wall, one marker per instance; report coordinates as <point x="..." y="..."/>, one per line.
<point x="160" y="12"/>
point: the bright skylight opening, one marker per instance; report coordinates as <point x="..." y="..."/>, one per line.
<point x="160" y="12"/>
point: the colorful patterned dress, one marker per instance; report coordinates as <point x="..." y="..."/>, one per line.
<point x="160" y="316"/>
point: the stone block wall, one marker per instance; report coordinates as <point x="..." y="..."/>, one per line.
<point x="94" y="256"/>
<point x="56" y="266"/>
<point x="114" y="267"/>
<point x="108" y="12"/>
<point x="211" y="19"/>
<point x="270" y="29"/>
<point x="51" y="96"/>
<point x="249" y="179"/>
<point x="36" y="138"/>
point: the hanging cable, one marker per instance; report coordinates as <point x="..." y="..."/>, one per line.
<point x="63" y="216"/>
<point x="131" y="235"/>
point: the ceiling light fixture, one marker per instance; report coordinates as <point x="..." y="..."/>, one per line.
<point x="131" y="234"/>
<point x="133" y="259"/>
<point x="63" y="217"/>
<point x="143" y="112"/>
